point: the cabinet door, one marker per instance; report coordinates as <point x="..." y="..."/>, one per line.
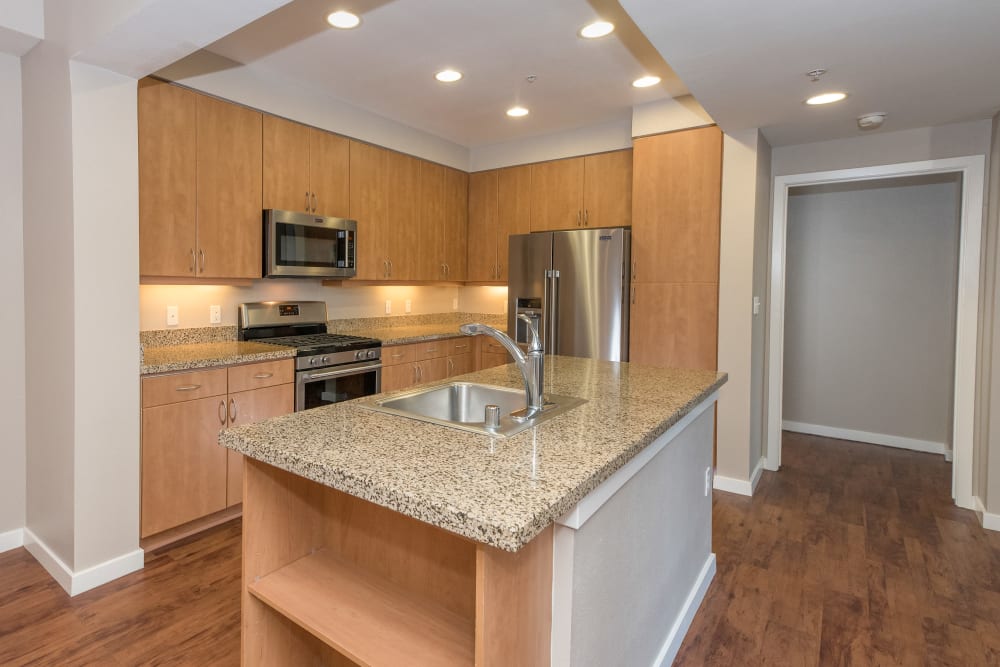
<point x="404" y="216"/>
<point x="286" y="164"/>
<point x="674" y="326"/>
<point x="607" y="189"/>
<point x="167" y="181"/>
<point x="557" y="194"/>
<point x="247" y="407"/>
<point x="183" y="466"/>
<point x="491" y="359"/>
<point x="676" y="199"/>
<point x="329" y="173"/>
<point x="456" y="223"/>
<point x="514" y="210"/>
<point x="432" y="370"/>
<point x="369" y="196"/>
<point x="483" y="228"/>
<point x="401" y="376"/>
<point x="459" y="364"/>
<point x="429" y="263"/>
<point x="229" y="190"/>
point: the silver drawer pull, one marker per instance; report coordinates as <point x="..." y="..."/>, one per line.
<point x="461" y="347"/>
<point x="187" y="387"/>
<point x="397" y="355"/>
<point x="432" y="349"/>
<point x="263" y="376"/>
<point x="232" y="411"/>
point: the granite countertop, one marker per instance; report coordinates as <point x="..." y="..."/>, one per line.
<point x="416" y="333"/>
<point x="171" y="358"/>
<point x="498" y="491"/>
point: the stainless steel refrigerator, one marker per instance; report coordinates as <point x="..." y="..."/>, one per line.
<point x="578" y="282"/>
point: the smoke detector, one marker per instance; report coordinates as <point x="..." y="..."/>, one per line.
<point x="871" y="121"/>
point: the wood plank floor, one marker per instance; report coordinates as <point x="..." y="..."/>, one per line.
<point x="851" y="555"/>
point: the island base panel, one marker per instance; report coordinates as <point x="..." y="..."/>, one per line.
<point x="312" y="552"/>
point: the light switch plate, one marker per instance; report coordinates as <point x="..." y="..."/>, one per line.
<point x="756" y="305"/>
<point x="215" y="314"/>
<point x="172" y="318"/>
<point x="388" y="307"/>
<point x="454" y="304"/>
<point x="407" y="305"/>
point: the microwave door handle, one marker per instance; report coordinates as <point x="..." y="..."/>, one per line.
<point x="340" y="373"/>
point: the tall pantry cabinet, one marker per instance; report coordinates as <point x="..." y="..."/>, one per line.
<point x="676" y="206"/>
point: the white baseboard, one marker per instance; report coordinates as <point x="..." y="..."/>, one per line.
<point x="989" y="520"/>
<point x="740" y="486"/>
<point x="886" y="440"/>
<point x="75" y="583"/>
<point x="755" y="475"/>
<point x="11" y="539"/>
<point x="672" y="644"/>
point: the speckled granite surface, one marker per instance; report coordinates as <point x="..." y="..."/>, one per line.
<point x="498" y="491"/>
<point x="172" y="358"/>
<point x="352" y="326"/>
<point x="164" y="337"/>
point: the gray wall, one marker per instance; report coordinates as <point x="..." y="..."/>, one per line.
<point x="870" y="306"/>
<point x="986" y="477"/>
<point x="12" y="450"/>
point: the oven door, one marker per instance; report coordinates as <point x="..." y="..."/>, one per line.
<point x="336" y="384"/>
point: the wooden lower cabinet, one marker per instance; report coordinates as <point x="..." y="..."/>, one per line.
<point x="674" y="325"/>
<point x="460" y="364"/>
<point x="185" y="474"/>
<point x="329" y="579"/>
<point x="492" y="353"/>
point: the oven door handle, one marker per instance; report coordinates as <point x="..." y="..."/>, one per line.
<point x="355" y="370"/>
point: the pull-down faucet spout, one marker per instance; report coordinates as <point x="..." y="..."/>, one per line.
<point x="531" y="364"/>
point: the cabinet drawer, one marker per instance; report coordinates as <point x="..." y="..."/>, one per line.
<point x="265" y="374"/>
<point x="433" y="349"/>
<point x="398" y="354"/>
<point x="187" y="386"/>
<point x="461" y="345"/>
<point x="490" y="346"/>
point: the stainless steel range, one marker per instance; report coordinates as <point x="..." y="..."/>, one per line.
<point x="329" y="368"/>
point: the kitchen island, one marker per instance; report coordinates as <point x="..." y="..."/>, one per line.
<point x="375" y="539"/>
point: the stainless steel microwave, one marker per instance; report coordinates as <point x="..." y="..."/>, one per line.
<point x="304" y="245"/>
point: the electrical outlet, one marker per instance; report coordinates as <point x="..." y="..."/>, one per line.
<point x="388" y="307"/>
<point x="172" y="319"/>
<point x="215" y="314"/>
<point x="407" y="305"/>
<point x="708" y="480"/>
<point x="454" y="303"/>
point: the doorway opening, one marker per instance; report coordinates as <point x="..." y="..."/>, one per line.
<point x="852" y="261"/>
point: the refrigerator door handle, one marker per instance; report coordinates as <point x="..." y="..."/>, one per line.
<point x="551" y="311"/>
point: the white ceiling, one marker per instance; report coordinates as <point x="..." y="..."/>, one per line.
<point x="924" y="62"/>
<point x="387" y="65"/>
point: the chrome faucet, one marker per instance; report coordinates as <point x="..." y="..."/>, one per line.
<point x="531" y="364"/>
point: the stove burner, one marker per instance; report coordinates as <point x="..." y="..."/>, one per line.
<point x="319" y="343"/>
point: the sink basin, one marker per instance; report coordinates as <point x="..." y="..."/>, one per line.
<point x="462" y="405"/>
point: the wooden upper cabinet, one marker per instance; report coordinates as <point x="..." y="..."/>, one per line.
<point x="557" y="194"/>
<point x="167" y="181"/>
<point x="513" y="210"/>
<point x="676" y="203"/>
<point x="607" y="189"/>
<point x="329" y="173"/>
<point x="430" y="260"/>
<point x="484" y="226"/>
<point x="368" y="205"/>
<point x="454" y="239"/>
<point x="403" y="217"/>
<point x="229" y="201"/>
<point x="589" y="191"/>
<point x="286" y="164"/>
<point x="305" y="169"/>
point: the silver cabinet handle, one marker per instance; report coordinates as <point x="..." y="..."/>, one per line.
<point x="633" y="269"/>
<point x="314" y="201"/>
<point x="307" y="201"/>
<point x="499" y="270"/>
<point x="447" y="270"/>
<point x="385" y="268"/>
<point x="444" y="271"/>
<point x="578" y="219"/>
<point x="420" y="373"/>
<point x="397" y="355"/>
<point x="263" y="376"/>
<point x="461" y="347"/>
<point x="192" y="265"/>
<point x="496" y="272"/>
<point x="201" y="252"/>
<point x="432" y="349"/>
<point x="187" y="387"/>
<point x="451" y="367"/>
<point x="633" y="293"/>
<point x="586" y="218"/>
<point x="222" y="412"/>
<point x="415" y="374"/>
<point x="232" y="410"/>
<point x="390" y="268"/>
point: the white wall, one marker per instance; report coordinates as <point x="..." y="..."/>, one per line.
<point x="581" y="141"/>
<point x="12" y="405"/>
<point x="926" y="143"/>
<point x="761" y="265"/>
<point x="986" y="478"/>
<point x="22" y="25"/>
<point x="668" y="115"/>
<point x="105" y="223"/>
<point x="871" y="283"/>
<point x="227" y="79"/>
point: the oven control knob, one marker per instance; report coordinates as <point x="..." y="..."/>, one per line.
<point x="325" y="359"/>
<point x="371" y="354"/>
<point x="360" y="354"/>
<point x="312" y="362"/>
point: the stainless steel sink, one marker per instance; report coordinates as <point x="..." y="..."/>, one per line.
<point x="462" y="405"/>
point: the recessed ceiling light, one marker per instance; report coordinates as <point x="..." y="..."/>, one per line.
<point x="825" y="98"/>
<point x="646" y="81"/>
<point x="343" y="20"/>
<point x="597" y="29"/>
<point x="517" y="112"/>
<point x="448" y="76"/>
